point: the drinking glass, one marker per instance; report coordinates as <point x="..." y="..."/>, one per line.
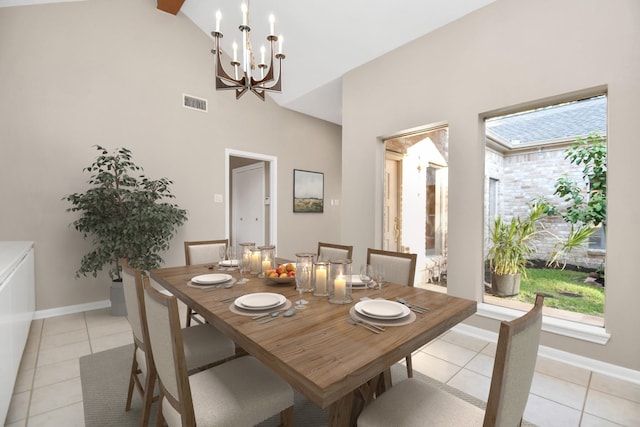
<point x="222" y="253"/>
<point x="303" y="275"/>
<point x="242" y="268"/>
<point x="231" y="255"/>
<point x="379" y="275"/>
<point x="367" y="274"/>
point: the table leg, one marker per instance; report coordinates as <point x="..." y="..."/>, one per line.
<point x="340" y="412"/>
<point x="345" y="411"/>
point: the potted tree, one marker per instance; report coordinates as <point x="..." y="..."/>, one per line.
<point x="511" y="245"/>
<point x="127" y="216"/>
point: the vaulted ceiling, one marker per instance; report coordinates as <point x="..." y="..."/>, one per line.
<point x="323" y="40"/>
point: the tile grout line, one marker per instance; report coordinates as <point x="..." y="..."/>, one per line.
<point x="586" y="396"/>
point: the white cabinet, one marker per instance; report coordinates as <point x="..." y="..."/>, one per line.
<point x="17" y="306"/>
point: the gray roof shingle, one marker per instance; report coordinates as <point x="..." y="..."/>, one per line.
<point x="555" y="122"/>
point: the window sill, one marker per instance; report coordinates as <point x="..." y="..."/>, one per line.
<point x="581" y="331"/>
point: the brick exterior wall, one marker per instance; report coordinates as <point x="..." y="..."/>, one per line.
<point x="526" y="176"/>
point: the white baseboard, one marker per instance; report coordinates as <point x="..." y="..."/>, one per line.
<point x="619" y="372"/>
<point x="70" y="309"/>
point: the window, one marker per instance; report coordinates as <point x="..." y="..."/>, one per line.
<point x="527" y="155"/>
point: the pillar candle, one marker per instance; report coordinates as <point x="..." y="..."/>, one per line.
<point x="321" y="280"/>
<point x="340" y="286"/>
<point x="266" y="264"/>
<point x="255" y="261"/>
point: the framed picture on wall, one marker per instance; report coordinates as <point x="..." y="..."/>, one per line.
<point x="308" y="191"/>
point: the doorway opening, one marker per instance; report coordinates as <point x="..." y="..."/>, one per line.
<point x="251" y="194"/>
<point x="415" y="211"/>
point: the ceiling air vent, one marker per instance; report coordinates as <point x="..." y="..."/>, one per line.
<point x="194" y="103"/>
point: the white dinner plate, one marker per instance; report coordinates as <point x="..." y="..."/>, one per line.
<point x="259" y="301"/>
<point x="229" y="263"/>
<point x="382" y="309"/>
<point x="356" y="282"/>
<point x="211" y="279"/>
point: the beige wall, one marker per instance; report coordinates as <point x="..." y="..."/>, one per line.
<point x="112" y="72"/>
<point x="508" y="54"/>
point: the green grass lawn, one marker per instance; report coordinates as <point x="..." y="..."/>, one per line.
<point x="552" y="281"/>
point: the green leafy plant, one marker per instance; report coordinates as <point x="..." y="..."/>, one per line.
<point x="512" y="242"/>
<point x="126" y="214"/>
<point x="585" y="209"/>
<point x="589" y="152"/>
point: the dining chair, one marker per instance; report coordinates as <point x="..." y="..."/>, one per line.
<point x="329" y="251"/>
<point x="241" y="392"/>
<point x="413" y="402"/>
<point x="204" y="345"/>
<point x="202" y="252"/>
<point x="399" y="268"/>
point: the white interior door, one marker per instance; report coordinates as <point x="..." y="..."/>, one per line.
<point x="248" y="215"/>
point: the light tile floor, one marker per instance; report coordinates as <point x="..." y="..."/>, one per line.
<point x="48" y="391"/>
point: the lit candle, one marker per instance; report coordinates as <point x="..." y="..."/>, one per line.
<point x="266" y="264"/>
<point x="244" y="13"/>
<point x="235" y="52"/>
<point x="262" y="52"/>
<point x="255" y="261"/>
<point x="272" y="19"/>
<point x="321" y="280"/>
<point x="218" y="18"/>
<point x="340" y="287"/>
<point x="280" y="39"/>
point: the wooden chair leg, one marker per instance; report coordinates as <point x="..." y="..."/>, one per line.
<point x="189" y="314"/>
<point x="286" y="417"/>
<point x="147" y="397"/>
<point x="134" y="370"/>
<point x="159" y="417"/>
<point x="409" y="366"/>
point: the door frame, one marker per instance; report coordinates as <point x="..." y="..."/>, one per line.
<point x="233" y="203"/>
<point x="273" y="190"/>
<point x="380" y="165"/>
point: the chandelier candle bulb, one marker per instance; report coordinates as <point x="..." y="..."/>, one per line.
<point x="244" y="9"/>
<point x="262" y="51"/>
<point x="280" y="40"/>
<point x="245" y="77"/>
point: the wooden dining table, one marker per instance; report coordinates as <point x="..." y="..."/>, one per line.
<point x="332" y="362"/>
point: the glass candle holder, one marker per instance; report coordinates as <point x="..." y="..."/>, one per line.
<point x="339" y="284"/>
<point x="305" y="261"/>
<point x="267" y="259"/>
<point x="254" y="261"/>
<point x="244" y="255"/>
<point x="320" y="278"/>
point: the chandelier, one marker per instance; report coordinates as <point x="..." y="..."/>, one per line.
<point x="245" y="76"/>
